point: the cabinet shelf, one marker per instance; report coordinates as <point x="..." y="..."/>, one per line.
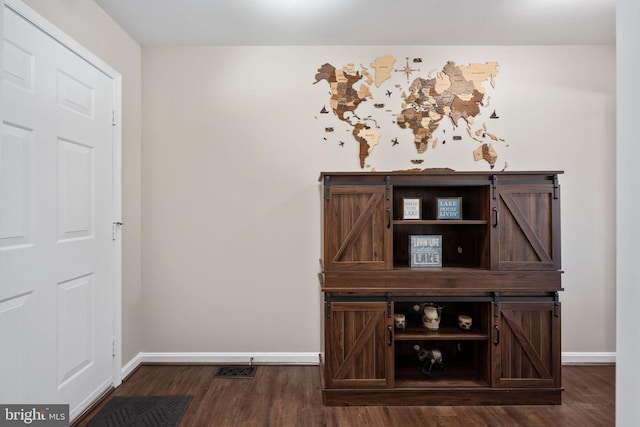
<point x="453" y="270"/>
<point x="456" y="375"/>
<point x="440" y="222"/>
<point x="443" y="381"/>
<point x="467" y="371"/>
<point x="447" y="333"/>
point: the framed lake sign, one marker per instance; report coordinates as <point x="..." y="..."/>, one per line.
<point x="449" y="208"/>
<point x="425" y="251"/>
<point x="410" y="208"/>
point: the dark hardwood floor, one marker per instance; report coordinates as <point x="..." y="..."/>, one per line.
<point x="291" y="396"/>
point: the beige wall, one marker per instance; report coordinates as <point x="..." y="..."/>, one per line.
<point x="90" y="26"/>
<point x="233" y="146"/>
<point x="230" y="214"/>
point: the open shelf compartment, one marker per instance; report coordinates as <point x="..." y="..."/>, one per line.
<point x="464" y="364"/>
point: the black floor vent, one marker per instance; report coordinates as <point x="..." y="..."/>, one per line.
<point x="237" y="371"/>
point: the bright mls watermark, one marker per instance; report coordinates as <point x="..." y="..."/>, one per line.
<point x="34" y="415"/>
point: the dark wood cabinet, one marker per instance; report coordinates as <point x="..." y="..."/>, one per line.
<point x="499" y="266"/>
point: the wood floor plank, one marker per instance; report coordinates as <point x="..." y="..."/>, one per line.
<point x="291" y="396"/>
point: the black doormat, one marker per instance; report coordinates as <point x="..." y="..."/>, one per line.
<point x="141" y="411"/>
<point x="237" y="371"/>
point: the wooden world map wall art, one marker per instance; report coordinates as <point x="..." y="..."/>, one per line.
<point x="361" y="98"/>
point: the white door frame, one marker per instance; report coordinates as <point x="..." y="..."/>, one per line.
<point x="47" y="27"/>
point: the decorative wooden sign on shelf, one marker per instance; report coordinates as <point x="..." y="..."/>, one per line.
<point x="449" y="208"/>
<point x="410" y="208"/>
<point x="425" y="251"/>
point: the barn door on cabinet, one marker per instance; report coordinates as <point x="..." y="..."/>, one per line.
<point x="357" y="228"/>
<point x="526" y="227"/>
<point x="526" y="343"/>
<point x="359" y="352"/>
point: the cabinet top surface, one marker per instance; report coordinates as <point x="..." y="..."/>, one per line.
<point x="440" y="172"/>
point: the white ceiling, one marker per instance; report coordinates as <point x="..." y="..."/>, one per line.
<point x="364" y="22"/>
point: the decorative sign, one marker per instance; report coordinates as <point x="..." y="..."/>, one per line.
<point x="449" y="208"/>
<point x="410" y="208"/>
<point x="425" y="251"/>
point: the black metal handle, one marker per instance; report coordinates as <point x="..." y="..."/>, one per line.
<point x="495" y="218"/>
<point x="497" y="341"/>
<point x="388" y="217"/>
<point x="390" y="328"/>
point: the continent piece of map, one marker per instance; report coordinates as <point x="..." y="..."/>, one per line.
<point x="383" y="66"/>
<point x="455" y="92"/>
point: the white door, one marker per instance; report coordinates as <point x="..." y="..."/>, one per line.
<point x="56" y="214"/>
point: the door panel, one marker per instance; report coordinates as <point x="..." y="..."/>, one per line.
<point x="75" y="190"/>
<point x="12" y="356"/>
<point x="357" y="228"/>
<point x="56" y="213"/>
<point x="526" y="345"/>
<point x="16" y="186"/>
<point x="75" y="316"/>
<point x="527" y="230"/>
<point x="358" y="352"/>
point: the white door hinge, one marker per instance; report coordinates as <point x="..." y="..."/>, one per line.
<point x="115" y="226"/>
<point x="113" y="347"/>
<point x="113" y="117"/>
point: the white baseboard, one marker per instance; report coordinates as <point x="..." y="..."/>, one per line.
<point x="586" y="358"/>
<point x="568" y="358"/>
<point x="222" y="358"/>
<point x="131" y="365"/>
